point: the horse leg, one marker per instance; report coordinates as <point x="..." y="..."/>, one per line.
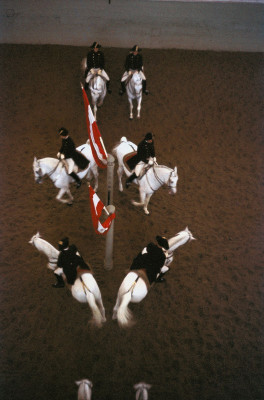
<point x="142" y="199"/>
<point x="139" y="107"/>
<point x="94" y="111"/>
<point x="97" y="316"/>
<point x="61" y="193"/>
<point x="145" y="207"/>
<point x="120" y="171"/>
<point x="130" y="109"/>
<point x="117" y="304"/>
<point x="101" y="308"/>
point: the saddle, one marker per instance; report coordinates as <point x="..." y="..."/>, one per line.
<point x="142" y="274"/>
<point x="127" y="157"/>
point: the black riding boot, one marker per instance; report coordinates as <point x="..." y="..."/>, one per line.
<point x="160" y="278"/>
<point x="108" y="87"/>
<point x="144" y="86"/>
<point x="123" y="88"/>
<point x="130" y="179"/>
<point x="77" y="179"/>
<point x="59" y="283"/>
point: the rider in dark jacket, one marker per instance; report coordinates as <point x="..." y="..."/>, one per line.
<point x="145" y="151"/>
<point x="69" y="260"/>
<point x="70" y="156"/>
<point x="152" y="259"/>
<point x="134" y="62"/>
<point x="96" y="60"/>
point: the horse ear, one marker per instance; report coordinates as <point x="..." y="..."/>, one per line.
<point x="78" y="383"/>
<point x="175" y="170"/>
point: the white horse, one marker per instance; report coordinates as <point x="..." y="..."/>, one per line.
<point x="55" y="170"/>
<point x="151" y="181"/>
<point x="142" y="389"/>
<point x="85" y="288"/>
<point x="97" y="87"/>
<point x="85" y="389"/>
<point x="134" y="91"/>
<point x="134" y="289"/>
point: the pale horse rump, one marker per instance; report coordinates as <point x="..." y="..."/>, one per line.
<point x="85" y="288"/>
<point x="55" y="170"/>
<point x="97" y="87"/>
<point x="155" y="177"/>
<point x="134" y="92"/>
<point x="142" y="389"/>
<point x="134" y="289"/>
<point x="84" y="389"/>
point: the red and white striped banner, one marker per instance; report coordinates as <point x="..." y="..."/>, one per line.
<point x="97" y="207"/>
<point x="96" y="141"/>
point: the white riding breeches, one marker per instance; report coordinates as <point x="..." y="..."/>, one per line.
<point x="131" y="71"/>
<point x="97" y="71"/>
<point x="69" y="165"/>
<point x="58" y="271"/>
<point x="139" y="168"/>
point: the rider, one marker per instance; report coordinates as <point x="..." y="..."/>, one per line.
<point x="145" y="155"/>
<point x="134" y="62"/>
<point x="70" y="156"/>
<point x="68" y="261"/>
<point x="95" y="65"/>
<point x="152" y="259"/>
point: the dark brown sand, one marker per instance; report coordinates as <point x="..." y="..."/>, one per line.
<point x="199" y="336"/>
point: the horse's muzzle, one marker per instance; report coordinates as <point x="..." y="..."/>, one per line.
<point x="172" y="191"/>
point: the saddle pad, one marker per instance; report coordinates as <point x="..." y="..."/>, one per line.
<point x="142" y="274"/>
<point x="126" y="159"/>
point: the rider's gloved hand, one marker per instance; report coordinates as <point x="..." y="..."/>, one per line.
<point x="154" y="159"/>
<point x="129" y="72"/>
<point x="99" y="71"/>
<point x="58" y="155"/>
<point x="62" y="156"/>
<point x="150" y="161"/>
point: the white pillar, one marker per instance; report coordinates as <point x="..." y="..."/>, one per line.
<point x="108" y="262"/>
<point x="110" y="179"/>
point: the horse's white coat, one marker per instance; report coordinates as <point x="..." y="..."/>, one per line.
<point x="142" y="389"/>
<point x="54" y="169"/>
<point x="135" y="291"/>
<point x="84" y="289"/>
<point x="84" y="389"/>
<point x="97" y="86"/>
<point x="134" y="91"/>
<point x="155" y="177"/>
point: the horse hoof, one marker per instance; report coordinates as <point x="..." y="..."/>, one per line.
<point x="130" y="118"/>
<point x="69" y="204"/>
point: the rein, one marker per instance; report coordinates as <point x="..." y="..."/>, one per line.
<point x="158" y="178"/>
<point x="51" y="172"/>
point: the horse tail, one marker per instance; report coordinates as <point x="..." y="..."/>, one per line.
<point x="124" y="315"/>
<point x="97" y="317"/>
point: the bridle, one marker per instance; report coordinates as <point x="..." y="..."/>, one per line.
<point x="159" y="179"/>
<point x="40" y="177"/>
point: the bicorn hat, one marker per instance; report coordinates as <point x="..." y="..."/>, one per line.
<point x="95" y="45"/>
<point x="63" y="243"/>
<point x="148" y="136"/>
<point x="163" y="242"/>
<point x="135" y="48"/>
<point x="63" y="132"/>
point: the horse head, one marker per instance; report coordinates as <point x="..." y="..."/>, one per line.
<point x="172" y="182"/>
<point x="142" y="389"/>
<point x="38" y="174"/>
<point x="85" y="389"/>
<point x="31" y="241"/>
